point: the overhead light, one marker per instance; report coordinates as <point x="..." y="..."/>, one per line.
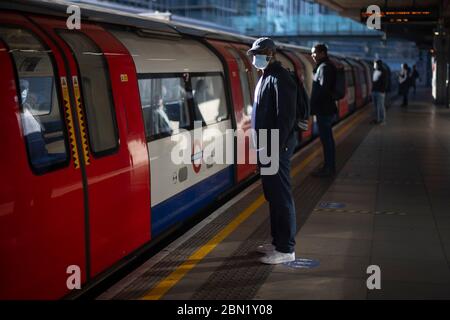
<point x="436" y="33"/>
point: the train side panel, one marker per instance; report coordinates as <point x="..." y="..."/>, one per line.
<point x="42" y="230"/>
<point x="181" y="83"/>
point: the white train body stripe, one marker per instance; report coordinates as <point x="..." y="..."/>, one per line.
<point x="165" y="174"/>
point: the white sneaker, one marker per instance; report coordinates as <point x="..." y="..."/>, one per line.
<point x="265" y="248"/>
<point x="277" y="257"/>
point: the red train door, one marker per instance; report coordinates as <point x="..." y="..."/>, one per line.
<point x="252" y="73"/>
<point x="358" y="87"/>
<point x="358" y="84"/>
<point x="42" y="230"/>
<point x="242" y="114"/>
<point x="342" y="103"/>
<point x="105" y="88"/>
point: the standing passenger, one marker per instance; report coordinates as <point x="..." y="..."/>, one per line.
<point x="378" y="92"/>
<point x="274" y="109"/>
<point x="323" y="105"/>
<point x="414" y="76"/>
<point x="403" y="81"/>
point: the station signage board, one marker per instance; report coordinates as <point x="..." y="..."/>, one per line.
<point x="403" y="15"/>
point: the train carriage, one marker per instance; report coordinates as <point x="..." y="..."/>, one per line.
<point x="91" y="119"/>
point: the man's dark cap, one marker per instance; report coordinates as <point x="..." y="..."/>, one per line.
<point x="262" y="44"/>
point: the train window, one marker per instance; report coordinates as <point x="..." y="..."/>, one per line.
<point x="164" y="106"/>
<point x="245" y="84"/>
<point x="254" y="70"/>
<point x="362" y="76"/>
<point x="349" y="76"/>
<point x="42" y="125"/>
<point x="96" y="92"/>
<point x="209" y="99"/>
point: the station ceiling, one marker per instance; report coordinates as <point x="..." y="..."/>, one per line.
<point x="415" y="29"/>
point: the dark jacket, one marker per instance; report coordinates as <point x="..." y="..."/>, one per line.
<point x="379" y="83"/>
<point x="275" y="104"/>
<point x="324" y="80"/>
<point x="414" y="75"/>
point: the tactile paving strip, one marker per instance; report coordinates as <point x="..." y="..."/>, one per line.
<point x="141" y="285"/>
<point x="360" y="211"/>
<point x="389" y="182"/>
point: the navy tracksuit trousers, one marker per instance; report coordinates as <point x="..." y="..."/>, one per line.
<point x="277" y="191"/>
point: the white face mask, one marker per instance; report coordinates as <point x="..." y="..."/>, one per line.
<point x="261" y="61"/>
<point x="24" y="94"/>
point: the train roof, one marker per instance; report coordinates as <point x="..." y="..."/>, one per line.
<point x="143" y="23"/>
<point x="113" y="16"/>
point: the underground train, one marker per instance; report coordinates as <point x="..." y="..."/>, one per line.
<point x="88" y="125"/>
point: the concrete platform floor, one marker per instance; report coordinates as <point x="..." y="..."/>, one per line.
<point x="390" y="207"/>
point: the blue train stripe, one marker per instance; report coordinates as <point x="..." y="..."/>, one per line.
<point x="186" y="203"/>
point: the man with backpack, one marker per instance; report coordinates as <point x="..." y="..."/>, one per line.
<point x="323" y="105"/>
<point x="274" y="109"/>
<point x="379" y="84"/>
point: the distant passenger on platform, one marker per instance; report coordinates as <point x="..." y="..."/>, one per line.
<point x="387" y="97"/>
<point x="323" y="105"/>
<point x="404" y="83"/>
<point x="274" y="108"/>
<point x="414" y="76"/>
<point x="379" y="85"/>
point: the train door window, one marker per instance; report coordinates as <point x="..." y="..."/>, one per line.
<point x="349" y="77"/>
<point x="245" y="84"/>
<point x="41" y="120"/>
<point x="285" y="62"/>
<point x="164" y="105"/>
<point x="209" y="98"/>
<point x="96" y="92"/>
<point x="362" y="77"/>
<point x="254" y="70"/>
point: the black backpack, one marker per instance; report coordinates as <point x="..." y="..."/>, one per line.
<point x="302" y="109"/>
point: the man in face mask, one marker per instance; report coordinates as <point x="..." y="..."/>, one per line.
<point x="274" y="110"/>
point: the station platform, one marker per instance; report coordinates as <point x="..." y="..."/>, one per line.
<point x="388" y="206"/>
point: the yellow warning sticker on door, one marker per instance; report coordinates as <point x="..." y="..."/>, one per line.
<point x="70" y="124"/>
<point x="82" y="123"/>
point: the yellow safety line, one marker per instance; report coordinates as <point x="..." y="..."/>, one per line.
<point x="172" y="279"/>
